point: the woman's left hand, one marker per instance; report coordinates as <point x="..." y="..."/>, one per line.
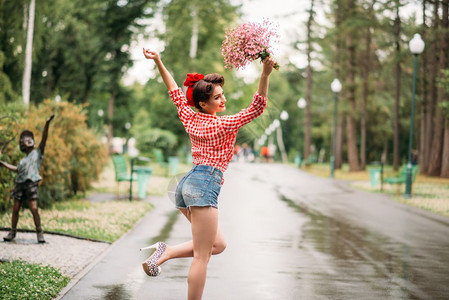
<point x="268" y="65"/>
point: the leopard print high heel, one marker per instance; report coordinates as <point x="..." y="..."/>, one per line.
<point x="150" y="265"/>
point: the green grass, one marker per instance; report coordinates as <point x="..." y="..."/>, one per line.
<point x="105" y="221"/>
<point x="21" y="280"/>
<point x="428" y="193"/>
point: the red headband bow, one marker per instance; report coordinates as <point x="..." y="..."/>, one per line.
<point x="191" y="79"/>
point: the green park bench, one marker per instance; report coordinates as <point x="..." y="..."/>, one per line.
<point x="402" y="177"/>
<point x="121" y="174"/>
<point x="121" y="170"/>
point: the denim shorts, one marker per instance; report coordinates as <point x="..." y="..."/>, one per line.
<point x="200" y="187"/>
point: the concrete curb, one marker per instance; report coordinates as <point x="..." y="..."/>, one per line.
<point x="56" y="233"/>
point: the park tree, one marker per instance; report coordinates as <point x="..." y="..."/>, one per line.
<point x="370" y="23"/>
<point x="28" y="52"/>
<point x="397" y="81"/>
<point x="309" y="80"/>
<point x="12" y="47"/>
<point x="425" y="105"/>
<point x="350" y="27"/>
<point x="339" y="135"/>
<point x="84" y="54"/>
<point x="192" y="43"/>
<point x="435" y="158"/>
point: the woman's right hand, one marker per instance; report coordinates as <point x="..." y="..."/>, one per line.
<point x="150" y="54"/>
<point x="166" y="76"/>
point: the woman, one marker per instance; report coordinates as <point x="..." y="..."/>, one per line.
<point x="213" y="139"/>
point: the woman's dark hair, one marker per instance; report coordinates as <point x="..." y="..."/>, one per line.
<point x="203" y="89"/>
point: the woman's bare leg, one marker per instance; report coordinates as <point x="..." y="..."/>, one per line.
<point x="204" y="231"/>
<point x="186" y="249"/>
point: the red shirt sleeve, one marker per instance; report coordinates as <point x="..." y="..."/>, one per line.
<point x="235" y="122"/>
<point x="184" y="111"/>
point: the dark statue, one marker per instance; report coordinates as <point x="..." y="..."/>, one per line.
<point x="27" y="180"/>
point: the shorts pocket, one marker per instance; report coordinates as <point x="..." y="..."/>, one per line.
<point x="195" y="187"/>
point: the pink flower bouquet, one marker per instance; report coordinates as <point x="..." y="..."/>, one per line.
<point x="248" y="42"/>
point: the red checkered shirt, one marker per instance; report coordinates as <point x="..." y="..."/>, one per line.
<point x="213" y="137"/>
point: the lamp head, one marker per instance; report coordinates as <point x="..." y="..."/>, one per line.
<point x="336" y="86"/>
<point x="302" y="103"/>
<point x="284" y="115"/>
<point x="416" y="44"/>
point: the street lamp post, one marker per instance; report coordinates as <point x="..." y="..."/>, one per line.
<point x="336" y="88"/>
<point x="416" y="47"/>
<point x="302" y="103"/>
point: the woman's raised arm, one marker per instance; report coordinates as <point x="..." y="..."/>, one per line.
<point x="166" y="76"/>
<point x="268" y="65"/>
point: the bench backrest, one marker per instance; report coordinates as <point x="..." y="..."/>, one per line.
<point x="120" y="167"/>
<point x="414" y="172"/>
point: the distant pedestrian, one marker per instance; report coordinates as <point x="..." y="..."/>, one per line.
<point x="271" y="152"/>
<point x="213" y="139"/>
<point x="247" y="153"/>
<point x="27" y="180"/>
<point x="265" y="154"/>
<point x="237" y="152"/>
<point x="414" y="157"/>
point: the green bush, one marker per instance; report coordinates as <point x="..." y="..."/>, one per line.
<point x="11" y="153"/>
<point x="74" y="156"/>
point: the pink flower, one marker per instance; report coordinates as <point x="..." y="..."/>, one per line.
<point x="247" y="42"/>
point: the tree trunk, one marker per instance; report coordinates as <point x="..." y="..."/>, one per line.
<point x="423" y="139"/>
<point x="384" y="157"/>
<point x="339" y="130"/>
<point x="111" y="116"/>
<point x="281" y="145"/>
<point x="194" y="38"/>
<point x="351" y="130"/>
<point x="352" y="144"/>
<point x="433" y="90"/>
<point x="307" y="117"/>
<point x="437" y="140"/>
<point x="445" y="157"/>
<point x="397" y="87"/>
<point x="26" y="83"/>
<point x="366" y="72"/>
<point x="87" y="87"/>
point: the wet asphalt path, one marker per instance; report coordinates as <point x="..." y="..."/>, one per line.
<point x="290" y="236"/>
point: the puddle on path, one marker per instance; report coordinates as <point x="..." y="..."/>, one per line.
<point x="115" y="292"/>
